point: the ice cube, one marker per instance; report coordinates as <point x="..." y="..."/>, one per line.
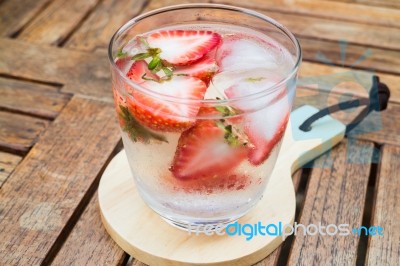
<point x="240" y="53"/>
<point x="239" y="83"/>
<point x="135" y="46"/>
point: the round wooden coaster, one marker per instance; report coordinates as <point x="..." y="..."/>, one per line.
<point x="146" y="236"/>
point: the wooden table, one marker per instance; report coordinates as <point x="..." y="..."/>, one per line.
<point x="58" y="129"/>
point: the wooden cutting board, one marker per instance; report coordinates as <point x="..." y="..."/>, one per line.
<point x="147" y="237"/>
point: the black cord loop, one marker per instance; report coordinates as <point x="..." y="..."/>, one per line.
<point x="378" y="101"/>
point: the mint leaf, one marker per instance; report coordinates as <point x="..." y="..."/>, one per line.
<point x="135" y="130"/>
<point x="167" y="71"/>
<point x="140" y="56"/>
<point x="254" y="80"/>
<point x="120" y="53"/>
<point x="154" y="63"/>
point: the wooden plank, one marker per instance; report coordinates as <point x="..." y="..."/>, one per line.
<point x="85" y="73"/>
<point x="15" y="14"/>
<point x="331" y="10"/>
<point x="335" y="195"/>
<point x="273" y="258"/>
<point x="89" y="243"/>
<point x="19" y="132"/>
<point x="55" y="23"/>
<point x="326" y="29"/>
<point x="385" y="3"/>
<point x="134" y="262"/>
<point x="353" y="56"/>
<point x="98" y="28"/>
<point x="31" y="98"/>
<point x="344" y="80"/>
<point x="154" y="4"/>
<point x="53" y="180"/>
<point x="8" y="162"/>
<point x="377" y="127"/>
<point x="385" y="250"/>
<point x="374" y="3"/>
<point x="333" y="30"/>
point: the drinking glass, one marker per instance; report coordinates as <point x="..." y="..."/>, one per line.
<point x="221" y="188"/>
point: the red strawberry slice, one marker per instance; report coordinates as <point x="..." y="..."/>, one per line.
<point x="263" y="146"/>
<point x="203" y="69"/>
<point x="202" y="152"/>
<point x="123" y="63"/>
<point x="139" y="72"/>
<point x="265" y="127"/>
<point x="119" y="101"/>
<point x="182" y="47"/>
<point x="164" y="115"/>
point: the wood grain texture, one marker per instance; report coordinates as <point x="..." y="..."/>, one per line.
<point x="81" y="72"/>
<point x="326" y="29"/>
<point x="373" y="3"/>
<point x="385" y="250"/>
<point x="46" y="190"/>
<point x="133" y="262"/>
<point x="15" y="14"/>
<point x="154" y="4"/>
<point x="31" y="98"/>
<point x="8" y="162"/>
<point x="335" y="195"/>
<point x="89" y="243"/>
<point x="328" y="9"/>
<point x="328" y="78"/>
<point x="54" y="24"/>
<point x="98" y="28"/>
<point x="377" y="127"/>
<point x="273" y="258"/>
<point x="350" y="55"/>
<point x="19" y="132"/>
<point x="333" y="30"/>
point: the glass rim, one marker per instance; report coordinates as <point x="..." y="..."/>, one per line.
<point x="174" y="99"/>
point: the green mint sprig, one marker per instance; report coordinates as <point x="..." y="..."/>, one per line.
<point x="135" y="130"/>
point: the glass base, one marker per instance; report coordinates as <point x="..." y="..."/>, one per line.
<point x="203" y="227"/>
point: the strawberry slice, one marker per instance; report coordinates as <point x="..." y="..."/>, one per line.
<point x="123" y="63"/>
<point x="119" y="101"/>
<point x="263" y="144"/>
<point x="265" y="127"/>
<point x="204" y="152"/>
<point x="139" y="72"/>
<point x="172" y="116"/>
<point x="203" y="69"/>
<point x="182" y="47"/>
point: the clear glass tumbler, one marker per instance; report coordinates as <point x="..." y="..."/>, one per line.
<point x="203" y="93"/>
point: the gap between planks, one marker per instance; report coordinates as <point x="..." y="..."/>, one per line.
<point x="55" y="22"/>
<point x="335" y="194"/>
<point x="79" y="216"/>
<point x="53" y="179"/>
<point x="8" y="162"/>
<point x="351" y="12"/>
<point x="32" y="99"/>
<point x="385" y="249"/>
